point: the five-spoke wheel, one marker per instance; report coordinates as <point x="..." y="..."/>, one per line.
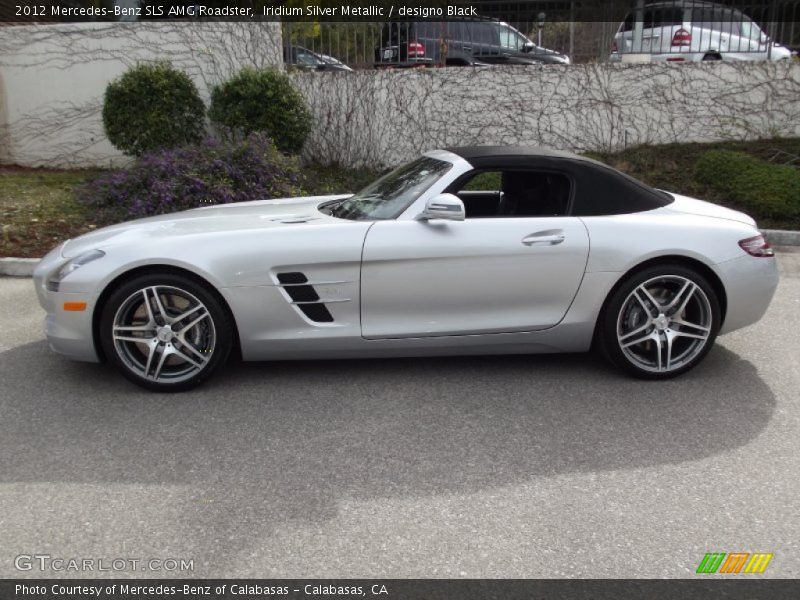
<point x="165" y="332"/>
<point x="660" y="322"/>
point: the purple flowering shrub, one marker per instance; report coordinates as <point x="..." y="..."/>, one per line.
<point x="212" y="172"/>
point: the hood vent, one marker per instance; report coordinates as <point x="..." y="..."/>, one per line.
<point x="304" y="297"/>
<point x="290" y="219"/>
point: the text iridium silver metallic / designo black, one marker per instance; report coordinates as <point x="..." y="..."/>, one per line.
<point x="479" y="250"/>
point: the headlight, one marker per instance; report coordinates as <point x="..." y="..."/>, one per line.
<point x="72" y="265"/>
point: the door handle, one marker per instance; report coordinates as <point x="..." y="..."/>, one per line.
<point x="551" y="237"/>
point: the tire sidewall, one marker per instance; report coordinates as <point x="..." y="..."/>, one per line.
<point x="608" y="321"/>
<point x="219" y="316"/>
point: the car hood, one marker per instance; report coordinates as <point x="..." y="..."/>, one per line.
<point x="780" y="52"/>
<point x="241" y="216"/>
<point x="693" y="206"/>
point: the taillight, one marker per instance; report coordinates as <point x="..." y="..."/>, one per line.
<point x="614" y="47"/>
<point x="756" y="246"/>
<point x="416" y="49"/>
<point x="682" y="38"/>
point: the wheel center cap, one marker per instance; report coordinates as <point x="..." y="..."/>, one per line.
<point x="165" y="333"/>
<point x="661" y="322"/>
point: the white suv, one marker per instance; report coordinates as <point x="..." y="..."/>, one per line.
<point x="687" y="30"/>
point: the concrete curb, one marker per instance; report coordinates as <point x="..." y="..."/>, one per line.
<point x="23" y="267"/>
<point x="782" y="237"/>
<point x="18" y="267"/>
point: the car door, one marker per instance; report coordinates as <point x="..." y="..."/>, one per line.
<point x="478" y="276"/>
<point x="484" y="41"/>
<point x="755" y="41"/>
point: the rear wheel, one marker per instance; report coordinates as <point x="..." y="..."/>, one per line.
<point x="165" y="332"/>
<point x="660" y="322"/>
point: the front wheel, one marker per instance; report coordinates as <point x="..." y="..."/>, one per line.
<point x="660" y="322"/>
<point x="165" y="332"/>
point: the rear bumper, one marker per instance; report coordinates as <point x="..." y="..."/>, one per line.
<point x="405" y="64"/>
<point x="698" y="56"/>
<point x="750" y="284"/>
<point x="678" y="57"/>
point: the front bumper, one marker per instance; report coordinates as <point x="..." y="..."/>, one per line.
<point x="68" y="332"/>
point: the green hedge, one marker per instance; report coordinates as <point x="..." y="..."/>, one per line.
<point x="262" y="101"/>
<point x="152" y="107"/>
<point x="766" y="190"/>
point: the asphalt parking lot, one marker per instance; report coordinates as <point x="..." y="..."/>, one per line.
<point x="543" y="466"/>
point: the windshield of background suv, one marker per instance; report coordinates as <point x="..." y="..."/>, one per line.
<point x="306" y="58"/>
<point x="509" y="38"/>
<point x="751" y="30"/>
<point x="390" y="195"/>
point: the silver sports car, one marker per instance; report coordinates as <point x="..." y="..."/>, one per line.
<point x="478" y="250"/>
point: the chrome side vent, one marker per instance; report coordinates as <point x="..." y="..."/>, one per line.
<point x="304" y="297"/>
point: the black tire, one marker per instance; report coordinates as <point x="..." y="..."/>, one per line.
<point x="612" y="323"/>
<point x="182" y="363"/>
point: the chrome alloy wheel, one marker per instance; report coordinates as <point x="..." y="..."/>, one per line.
<point x="164" y="334"/>
<point x="664" y="323"/>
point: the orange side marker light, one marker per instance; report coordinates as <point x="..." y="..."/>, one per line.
<point x="75" y="306"/>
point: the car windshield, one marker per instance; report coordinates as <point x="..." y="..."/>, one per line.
<point x="751" y="30"/>
<point x="390" y="195"/>
<point x="307" y="58"/>
<point x="511" y="39"/>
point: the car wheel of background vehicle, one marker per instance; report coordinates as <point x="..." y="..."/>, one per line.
<point x="660" y="322"/>
<point x="712" y="57"/>
<point x="165" y="332"/>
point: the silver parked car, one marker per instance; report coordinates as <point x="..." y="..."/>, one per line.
<point x="462" y="251"/>
<point x="689" y="30"/>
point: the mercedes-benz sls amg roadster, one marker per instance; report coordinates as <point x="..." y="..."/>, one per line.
<point x="477" y="250"/>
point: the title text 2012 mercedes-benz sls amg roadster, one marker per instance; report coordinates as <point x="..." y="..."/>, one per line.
<point x="478" y="250"/>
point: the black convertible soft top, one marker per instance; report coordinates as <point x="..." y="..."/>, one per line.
<point x="470" y="152"/>
<point x="598" y="188"/>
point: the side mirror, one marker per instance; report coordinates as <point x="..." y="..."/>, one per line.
<point x="528" y="47"/>
<point x="443" y="206"/>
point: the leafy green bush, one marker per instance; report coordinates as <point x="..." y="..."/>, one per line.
<point x="213" y="172"/>
<point x="265" y="101"/>
<point x="765" y="189"/>
<point x="321" y="180"/>
<point x="152" y="106"/>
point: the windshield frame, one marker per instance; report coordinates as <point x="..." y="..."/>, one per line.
<point x="348" y="209"/>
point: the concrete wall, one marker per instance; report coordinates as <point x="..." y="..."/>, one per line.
<point x="53" y="77"/>
<point x="381" y="118"/>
